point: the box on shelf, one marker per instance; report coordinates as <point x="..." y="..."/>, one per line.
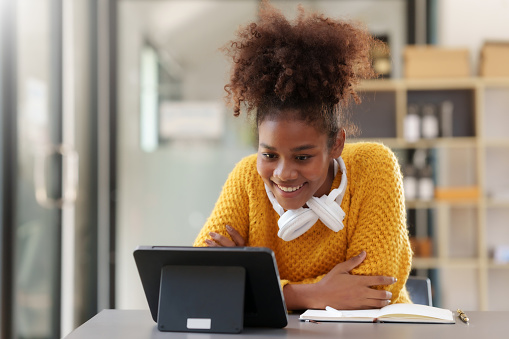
<point x="436" y="62"/>
<point x="457" y="193"/>
<point x="495" y="59"/>
<point x="421" y="247"/>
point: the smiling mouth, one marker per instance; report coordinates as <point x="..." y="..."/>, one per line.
<point x="289" y="189"/>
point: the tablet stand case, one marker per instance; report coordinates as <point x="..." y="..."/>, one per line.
<point x="201" y="299"/>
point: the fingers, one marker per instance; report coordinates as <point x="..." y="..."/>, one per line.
<point x="381" y="295"/>
<point x="353" y="262"/>
<point x="219" y="240"/>
<point x="211" y="243"/>
<point x="237" y="238"/>
<point x="379" y="298"/>
<point x="350" y="291"/>
<point x="370" y="298"/>
<point x="377" y="280"/>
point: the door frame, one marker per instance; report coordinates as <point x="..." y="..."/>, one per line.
<point x="106" y="95"/>
<point x="8" y="109"/>
<point x="9" y="142"/>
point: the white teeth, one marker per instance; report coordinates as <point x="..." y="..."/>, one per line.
<point x="289" y="189"/>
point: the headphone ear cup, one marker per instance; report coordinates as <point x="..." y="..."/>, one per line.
<point x="294" y="223"/>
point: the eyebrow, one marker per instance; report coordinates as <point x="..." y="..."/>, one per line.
<point x="296" y="149"/>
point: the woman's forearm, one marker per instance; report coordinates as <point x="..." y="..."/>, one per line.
<point x="300" y="296"/>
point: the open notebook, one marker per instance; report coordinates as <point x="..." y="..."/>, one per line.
<point x="411" y="313"/>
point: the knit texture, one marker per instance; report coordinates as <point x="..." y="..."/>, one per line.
<point x="375" y="221"/>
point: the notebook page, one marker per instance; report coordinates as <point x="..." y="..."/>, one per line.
<point x="360" y="313"/>
<point x="416" y="310"/>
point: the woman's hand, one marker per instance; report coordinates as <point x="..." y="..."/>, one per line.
<point x="219" y="240"/>
<point x="341" y="290"/>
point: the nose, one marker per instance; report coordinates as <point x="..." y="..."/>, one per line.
<point x="285" y="171"/>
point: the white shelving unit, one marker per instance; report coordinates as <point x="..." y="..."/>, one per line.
<point x="465" y="231"/>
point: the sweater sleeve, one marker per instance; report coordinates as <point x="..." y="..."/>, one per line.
<point x="231" y="208"/>
<point x="380" y="228"/>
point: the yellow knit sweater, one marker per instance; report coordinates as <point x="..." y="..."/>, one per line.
<point x="375" y="221"/>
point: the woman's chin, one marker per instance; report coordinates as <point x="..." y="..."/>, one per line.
<point x="291" y="205"/>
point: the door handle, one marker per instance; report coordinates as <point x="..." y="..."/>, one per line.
<point x="70" y="160"/>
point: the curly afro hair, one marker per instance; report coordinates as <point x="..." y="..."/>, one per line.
<point x="309" y="65"/>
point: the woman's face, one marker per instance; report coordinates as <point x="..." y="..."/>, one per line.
<point x="294" y="160"/>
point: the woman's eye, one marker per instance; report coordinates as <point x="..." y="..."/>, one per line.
<point x="269" y="155"/>
<point x="303" y="157"/>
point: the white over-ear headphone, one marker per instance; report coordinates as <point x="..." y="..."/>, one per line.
<point x="327" y="208"/>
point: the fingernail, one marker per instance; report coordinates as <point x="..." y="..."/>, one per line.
<point x="213" y="234"/>
<point x="395" y="279"/>
<point x="389" y="295"/>
<point x="229" y="228"/>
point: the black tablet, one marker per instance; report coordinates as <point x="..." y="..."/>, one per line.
<point x="195" y="282"/>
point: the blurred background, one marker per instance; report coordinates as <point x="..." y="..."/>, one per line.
<point x="114" y="134"/>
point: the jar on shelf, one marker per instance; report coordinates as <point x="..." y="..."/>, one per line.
<point x="410" y="182"/>
<point x="429" y="122"/>
<point x="426" y="187"/>
<point x="446" y="119"/>
<point x="412" y="124"/>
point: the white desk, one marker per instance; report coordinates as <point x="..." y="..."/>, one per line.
<point x="127" y="324"/>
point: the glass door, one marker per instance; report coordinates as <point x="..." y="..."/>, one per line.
<point x="39" y="191"/>
<point x="55" y="102"/>
<point x="38" y="218"/>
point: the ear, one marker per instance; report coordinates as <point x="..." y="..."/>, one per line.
<point x="339" y="144"/>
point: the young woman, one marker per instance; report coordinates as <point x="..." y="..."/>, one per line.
<point x="333" y="213"/>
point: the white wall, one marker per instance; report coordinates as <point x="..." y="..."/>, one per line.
<point x="468" y="23"/>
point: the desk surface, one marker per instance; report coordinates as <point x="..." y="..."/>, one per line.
<point x="137" y="324"/>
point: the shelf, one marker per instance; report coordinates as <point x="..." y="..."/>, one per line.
<point x="420" y="204"/>
<point x="423" y="143"/>
<point x="441" y="142"/>
<point x="461" y="231"/>
<point x="494" y="265"/>
<point x="437" y="263"/>
<point x="379" y="85"/>
<point x="499" y="142"/>
<point x="421" y="84"/>
<point x="495" y="82"/>
<point x="389" y="142"/>
<point x="441" y="84"/>
<point x="426" y="204"/>
<point x="496" y="202"/>
<point x="431" y="84"/>
<point x="424" y="263"/>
